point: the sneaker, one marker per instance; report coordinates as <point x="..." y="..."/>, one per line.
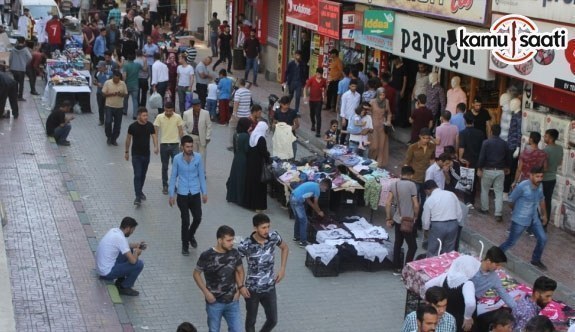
<point x="185" y="252"/>
<point x="128" y="291"/>
<point x="143" y="197"/>
<point x="109" y="141"/>
<point x="498" y="218"/>
<point x="21" y="99"/>
<point x="295" y="239"/>
<point x="530" y="234"/>
<point x="312" y="128"/>
<point x="137" y="201"/>
<point x="505" y="197"/>
<point x="114" y="143"/>
<point x="470" y="206"/>
<point x="302" y="244"/>
<point x="165" y="190"/>
<point x="64" y="143"/>
<point x="119" y="282"/>
<point x="193" y="242"/>
<point x="539" y="265"/>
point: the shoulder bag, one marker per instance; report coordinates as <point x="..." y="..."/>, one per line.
<point x="267" y="173"/>
<point x="407" y="223"/>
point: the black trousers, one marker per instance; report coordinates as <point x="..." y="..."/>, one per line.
<point x="315" y="115"/>
<point x="143" y="86"/>
<point x="224" y="56"/>
<point x="101" y="106"/>
<point x="9" y="92"/>
<point x="269" y="302"/>
<point x="548" y="187"/>
<point x="343" y="137"/>
<point x="331" y="101"/>
<point x="186" y="204"/>
<point x="202" y="91"/>
<point x="410" y="239"/>
<point x="31" y="73"/>
<point x="19" y="77"/>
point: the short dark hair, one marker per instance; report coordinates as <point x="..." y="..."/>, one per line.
<point x="223" y="72"/>
<point x="386" y="77"/>
<point x="108" y="53"/>
<point x="297" y="52"/>
<point x="535" y="137"/>
<point x="435" y="294"/>
<point x="544" y="284"/>
<point x="66" y="103"/>
<point x="462" y="107"/>
<point x="449" y="149"/>
<point x="477" y="100"/>
<point x="539" y="324"/>
<point x="186" y="327"/>
<point x="319" y="70"/>
<point x="468" y="118"/>
<point x="445" y="156"/>
<point x="422" y="99"/>
<point x="353" y="82"/>
<point x="325" y="182"/>
<point x="225" y="231"/>
<point x="332" y="122"/>
<point x="537" y="169"/>
<point x="142" y="109"/>
<point x="495" y="255"/>
<point x="407" y="170"/>
<point x="169" y="105"/>
<point x="354" y="72"/>
<point x="186" y="139"/>
<point x="103" y="29"/>
<point x="242" y="82"/>
<point x="359" y="66"/>
<point x="425" y="309"/>
<point x="260" y="219"/>
<point x="128" y="222"/>
<point x="334" y="51"/>
<point x="424" y="132"/>
<point x="446" y="115"/>
<point x="117" y="73"/>
<point x="255" y="108"/>
<point x="346" y="71"/>
<point x="429" y="185"/>
<point x="495" y="129"/>
<point x="285" y="100"/>
<point x="553" y="133"/>
<point x="501" y="317"/>
<point x="157" y="56"/>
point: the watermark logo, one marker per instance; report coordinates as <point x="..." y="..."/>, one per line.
<point x="512" y="39"/>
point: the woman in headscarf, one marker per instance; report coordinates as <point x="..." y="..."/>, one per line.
<point x="258" y="155"/>
<point x="237" y="180"/>
<point x="381" y="116"/>
<point x="460" y="289"/>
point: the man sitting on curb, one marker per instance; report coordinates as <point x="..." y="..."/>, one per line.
<point x="118" y="259"/>
<point x="58" y="124"/>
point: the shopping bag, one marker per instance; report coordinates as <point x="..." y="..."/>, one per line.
<point x="465" y="183"/>
<point x="155" y="100"/>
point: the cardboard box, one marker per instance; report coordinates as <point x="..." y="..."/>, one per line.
<point x="565" y="217"/>
<point x="559" y="188"/>
<point x="568" y="196"/>
<point x="556" y="212"/>
<point x="532" y="121"/>
<point x="569" y="163"/>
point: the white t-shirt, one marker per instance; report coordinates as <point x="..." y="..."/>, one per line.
<point x="110" y="247"/>
<point x="153" y="5"/>
<point x="368" y="125"/>
<point x="213" y="91"/>
<point x="184" y="74"/>
<point x="138" y="20"/>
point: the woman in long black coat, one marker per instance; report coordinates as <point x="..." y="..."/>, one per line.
<point x="236" y="183"/>
<point x="255" y="197"/>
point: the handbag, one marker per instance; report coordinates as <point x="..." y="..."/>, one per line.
<point x="267" y="173"/>
<point x="406" y="225"/>
<point x="155" y="100"/>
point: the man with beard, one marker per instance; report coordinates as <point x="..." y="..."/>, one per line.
<point x="426" y="319"/>
<point x="529" y="306"/>
<point x="188" y="172"/>
<point x="118" y="259"/>
<point x="529" y="212"/>
<point x="224" y="278"/>
<point x="260" y="280"/>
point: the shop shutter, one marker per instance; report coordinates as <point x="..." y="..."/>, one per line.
<point x="273" y="22"/>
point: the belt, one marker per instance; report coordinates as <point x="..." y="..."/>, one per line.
<point x="493" y="168"/>
<point x="444" y="220"/>
<point x="169" y="143"/>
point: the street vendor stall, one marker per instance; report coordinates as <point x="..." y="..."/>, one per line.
<point x="417" y="273"/>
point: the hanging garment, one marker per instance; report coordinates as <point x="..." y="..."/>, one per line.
<point x="282" y="141"/>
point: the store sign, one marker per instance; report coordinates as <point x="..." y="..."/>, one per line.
<point x="348" y="25"/>
<point x="434" y="42"/>
<point x="377" y="42"/>
<point x="378" y="22"/>
<point x="302" y="13"/>
<point x="471" y="11"/>
<point x="553" y="10"/>
<point x="551" y="68"/>
<point x="329" y="18"/>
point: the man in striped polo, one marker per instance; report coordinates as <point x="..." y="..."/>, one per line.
<point x="242" y="105"/>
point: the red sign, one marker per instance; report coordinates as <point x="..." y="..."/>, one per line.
<point x="329" y="18"/>
<point x="302" y="13"/>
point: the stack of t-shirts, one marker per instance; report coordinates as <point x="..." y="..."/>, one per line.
<point x="371" y="250"/>
<point x="363" y="230"/>
<point x="325" y="252"/>
<point x="332" y="234"/>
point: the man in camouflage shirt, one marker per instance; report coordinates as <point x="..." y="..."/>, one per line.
<point x="260" y="280"/>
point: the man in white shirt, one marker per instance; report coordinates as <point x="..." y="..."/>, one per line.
<point x="439" y="170"/>
<point x="118" y="259"/>
<point x="160" y="77"/>
<point x="441" y="213"/>
<point x="349" y="102"/>
<point x="185" y="82"/>
<point x="138" y="24"/>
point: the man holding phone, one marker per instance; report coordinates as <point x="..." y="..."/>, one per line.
<point x="118" y="259"/>
<point x="114" y="90"/>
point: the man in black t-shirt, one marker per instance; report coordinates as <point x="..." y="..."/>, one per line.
<point x="470" y="142"/>
<point x="58" y="124"/>
<point x="481" y="118"/>
<point x="225" y="43"/>
<point x="140" y="132"/>
<point x="224" y="277"/>
<point x="8" y="90"/>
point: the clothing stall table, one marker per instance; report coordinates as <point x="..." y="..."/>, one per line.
<point x="55" y="94"/>
<point x="415" y="274"/>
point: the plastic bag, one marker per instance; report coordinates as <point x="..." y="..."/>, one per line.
<point x="155" y="100"/>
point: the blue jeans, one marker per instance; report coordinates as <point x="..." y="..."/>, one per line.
<point x="182" y="90"/>
<point x="124" y="269"/>
<point x="167" y="152"/>
<point x="515" y="232"/>
<point x="353" y="146"/>
<point x="214" y="43"/>
<point x="251" y="63"/>
<point x="113" y="115"/>
<point x="61" y="133"/>
<point x="300" y="225"/>
<point x="211" y="106"/>
<point x="135" y="94"/>
<point x="230" y="312"/>
<point x="295" y="89"/>
<point x="140" y="165"/>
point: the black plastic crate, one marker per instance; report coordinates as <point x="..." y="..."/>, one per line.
<point x="319" y="269"/>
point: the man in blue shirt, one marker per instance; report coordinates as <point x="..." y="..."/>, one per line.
<point x="457" y="119"/>
<point x="526" y="199"/>
<point x="306" y="192"/>
<point x="100" y="45"/>
<point x="188" y="171"/>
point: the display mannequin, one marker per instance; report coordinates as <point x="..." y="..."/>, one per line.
<point x="455" y="95"/>
<point x="506" y="113"/>
<point x="513" y="141"/>
<point x="435" y="97"/>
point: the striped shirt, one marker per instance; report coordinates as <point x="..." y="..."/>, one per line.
<point x="243" y="96"/>
<point x="445" y="324"/>
<point x="191" y="54"/>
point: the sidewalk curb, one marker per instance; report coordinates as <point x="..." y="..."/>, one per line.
<point x="7" y="318"/>
<point x="84" y="219"/>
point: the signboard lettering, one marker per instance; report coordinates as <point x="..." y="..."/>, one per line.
<point x="378" y="22"/>
<point x="302" y="13"/>
<point x="329" y="19"/>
